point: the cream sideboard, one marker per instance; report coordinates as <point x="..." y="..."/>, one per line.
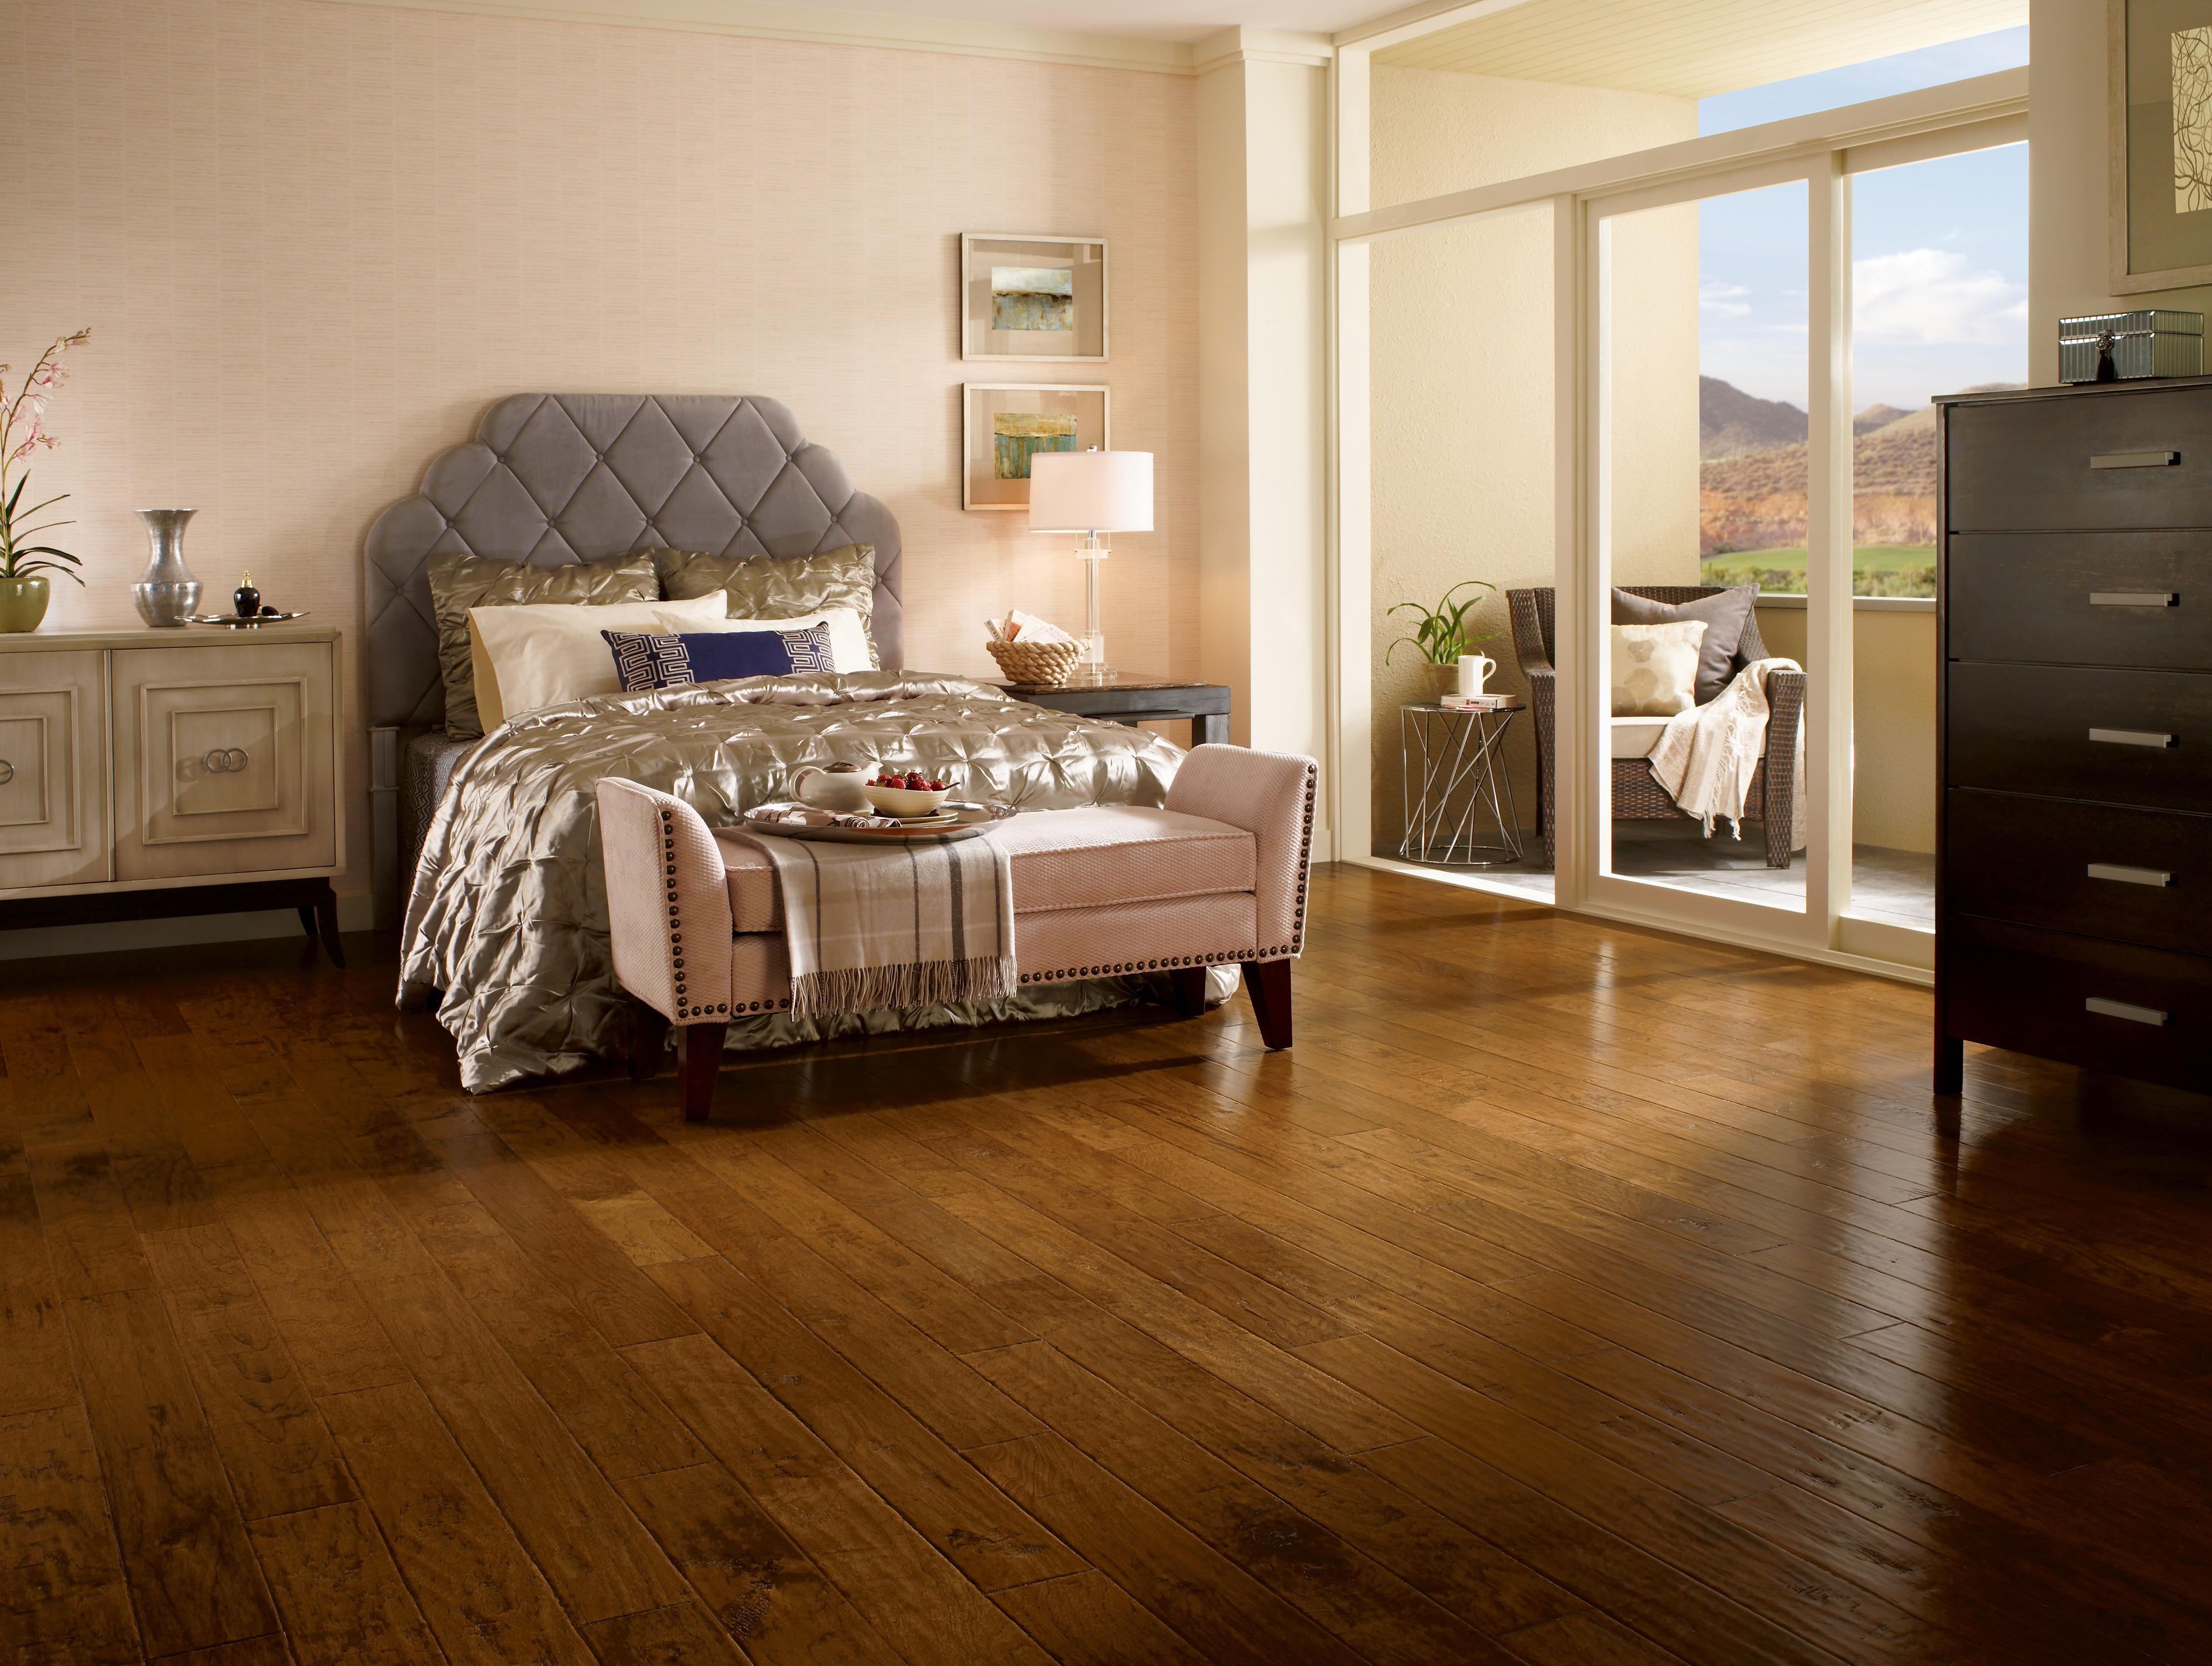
<point x="153" y="773"/>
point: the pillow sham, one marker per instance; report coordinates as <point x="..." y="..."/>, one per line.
<point x="769" y="587"/>
<point x="647" y="662"/>
<point x="848" y="637"/>
<point x="1725" y="615"/>
<point x="1654" y="668"/>
<point x="528" y="656"/>
<point x="459" y="582"/>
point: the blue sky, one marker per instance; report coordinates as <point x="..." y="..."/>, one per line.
<point x="1939" y="248"/>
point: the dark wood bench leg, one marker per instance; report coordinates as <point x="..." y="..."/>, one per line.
<point x="648" y="1040"/>
<point x="1188" y="986"/>
<point x="1268" y="983"/>
<point x="698" y="1056"/>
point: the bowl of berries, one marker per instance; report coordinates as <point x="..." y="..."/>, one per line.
<point x="906" y="796"/>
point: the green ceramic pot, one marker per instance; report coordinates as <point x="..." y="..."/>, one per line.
<point x="23" y="603"/>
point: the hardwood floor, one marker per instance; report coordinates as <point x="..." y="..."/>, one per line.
<point x="1571" y="1295"/>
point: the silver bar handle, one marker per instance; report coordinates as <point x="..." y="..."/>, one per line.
<point x="2128" y="1010"/>
<point x="2135" y="460"/>
<point x="2130" y="876"/>
<point x="2135" y="598"/>
<point x="2133" y="738"/>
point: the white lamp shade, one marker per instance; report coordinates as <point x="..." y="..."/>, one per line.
<point x="1090" y="491"/>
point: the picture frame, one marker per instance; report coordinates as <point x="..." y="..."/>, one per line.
<point x="1032" y="299"/>
<point x="2161" y="171"/>
<point x="1004" y="424"/>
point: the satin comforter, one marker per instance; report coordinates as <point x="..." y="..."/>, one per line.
<point x="506" y="925"/>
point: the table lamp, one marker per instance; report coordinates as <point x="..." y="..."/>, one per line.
<point x="1091" y="492"/>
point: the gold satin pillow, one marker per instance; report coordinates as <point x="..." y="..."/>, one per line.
<point x="772" y="587"/>
<point x="459" y="582"/>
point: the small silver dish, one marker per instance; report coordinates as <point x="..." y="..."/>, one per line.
<point x="238" y="623"/>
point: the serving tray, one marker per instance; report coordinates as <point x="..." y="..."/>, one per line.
<point x="957" y="820"/>
<point x="238" y="623"/>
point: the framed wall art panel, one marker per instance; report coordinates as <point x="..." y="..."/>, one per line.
<point x="2161" y="143"/>
<point x="1041" y="299"/>
<point x="1002" y="427"/>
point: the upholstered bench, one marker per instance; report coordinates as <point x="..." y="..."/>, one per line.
<point x="1218" y="877"/>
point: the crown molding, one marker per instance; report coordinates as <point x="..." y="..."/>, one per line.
<point x="1248" y="45"/>
<point x="825" y="27"/>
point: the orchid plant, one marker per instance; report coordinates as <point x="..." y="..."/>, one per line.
<point x="22" y="429"/>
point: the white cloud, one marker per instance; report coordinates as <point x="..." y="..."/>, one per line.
<point x="1714" y="297"/>
<point x="1933" y="295"/>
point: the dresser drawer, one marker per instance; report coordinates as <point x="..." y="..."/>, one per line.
<point x="2143" y="459"/>
<point x="53" y="769"/>
<point x="225" y="761"/>
<point x="2082" y="599"/>
<point x="2028" y="728"/>
<point x="2032" y="992"/>
<point x="2136" y="876"/>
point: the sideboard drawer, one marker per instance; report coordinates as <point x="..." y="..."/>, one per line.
<point x="2134" y="876"/>
<point x="225" y="759"/>
<point x="2030" y="729"/>
<point x="53" y="772"/>
<point x="2103" y="1006"/>
<point x="2059" y="464"/>
<point x="2083" y="598"/>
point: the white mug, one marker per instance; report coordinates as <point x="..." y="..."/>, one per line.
<point x="1473" y="668"/>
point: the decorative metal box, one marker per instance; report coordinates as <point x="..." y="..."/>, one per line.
<point x="2126" y="347"/>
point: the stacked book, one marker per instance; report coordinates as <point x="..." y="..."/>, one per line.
<point x="1478" y="702"/>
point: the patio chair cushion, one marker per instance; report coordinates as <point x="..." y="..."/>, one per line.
<point x="1635" y="737"/>
<point x="1724" y="615"/>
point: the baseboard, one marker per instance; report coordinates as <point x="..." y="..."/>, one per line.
<point x="355" y="913"/>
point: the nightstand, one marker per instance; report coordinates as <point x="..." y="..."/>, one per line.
<point x="1132" y="697"/>
<point x="150" y="773"/>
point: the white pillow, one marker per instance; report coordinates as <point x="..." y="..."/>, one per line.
<point x="541" y="654"/>
<point x="1654" y="668"/>
<point x="848" y="637"/>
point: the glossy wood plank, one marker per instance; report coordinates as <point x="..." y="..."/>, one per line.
<point x="1571" y="1293"/>
<point x="339" y="1593"/>
<point x="192" y="1577"/>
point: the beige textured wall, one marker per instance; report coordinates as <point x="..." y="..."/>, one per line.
<point x="1894" y="667"/>
<point x="314" y="241"/>
<point x="1462" y="407"/>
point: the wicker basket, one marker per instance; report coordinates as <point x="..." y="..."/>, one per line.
<point x="1036" y="665"/>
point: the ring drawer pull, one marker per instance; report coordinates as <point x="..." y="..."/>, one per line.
<point x="2130" y="876"/>
<point x="2135" y="598"/>
<point x="2121" y="1009"/>
<point x="226" y="760"/>
<point x="7" y="772"/>
<point x="2135" y="460"/>
<point x="2133" y="738"/>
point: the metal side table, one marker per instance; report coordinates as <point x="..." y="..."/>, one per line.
<point x="1456" y="790"/>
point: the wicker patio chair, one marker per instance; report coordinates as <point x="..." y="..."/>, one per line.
<point x="1636" y="793"/>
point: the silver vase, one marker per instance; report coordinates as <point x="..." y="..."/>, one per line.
<point x="168" y="593"/>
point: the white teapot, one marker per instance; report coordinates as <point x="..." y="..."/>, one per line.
<point x="836" y="789"/>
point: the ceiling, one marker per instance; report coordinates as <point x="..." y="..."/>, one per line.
<point x="1695" y="48"/>
<point x="1150" y="20"/>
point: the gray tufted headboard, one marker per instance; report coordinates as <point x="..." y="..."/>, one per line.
<point x="558" y="478"/>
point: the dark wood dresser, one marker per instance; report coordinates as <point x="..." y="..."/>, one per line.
<point x="2074" y="844"/>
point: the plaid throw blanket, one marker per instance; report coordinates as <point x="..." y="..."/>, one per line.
<point x="905" y="925"/>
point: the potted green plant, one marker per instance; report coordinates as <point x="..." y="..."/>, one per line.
<point x="1441" y="637"/>
<point x="24" y="591"/>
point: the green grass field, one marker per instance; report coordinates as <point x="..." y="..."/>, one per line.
<point x="1878" y="569"/>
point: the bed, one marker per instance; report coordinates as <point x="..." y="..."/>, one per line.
<point x="488" y="851"/>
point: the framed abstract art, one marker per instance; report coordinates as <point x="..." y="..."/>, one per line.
<point x="1041" y="299"/>
<point x="1002" y="427"/>
<point x="2161" y="143"/>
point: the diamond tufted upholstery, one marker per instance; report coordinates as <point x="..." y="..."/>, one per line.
<point x="558" y="478"/>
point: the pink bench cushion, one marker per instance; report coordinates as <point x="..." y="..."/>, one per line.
<point x="1063" y="858"/>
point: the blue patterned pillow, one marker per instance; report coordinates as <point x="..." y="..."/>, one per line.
<point x="646" y="661"/>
